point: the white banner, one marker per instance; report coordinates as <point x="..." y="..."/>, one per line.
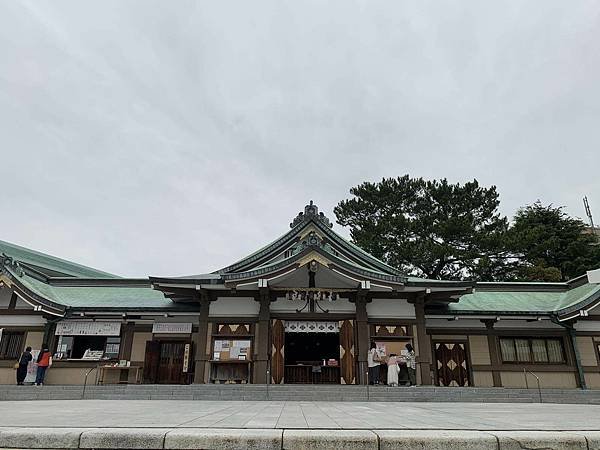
<point x="171" y="328"/>
<point x="308" y="326"/>
<point x="78" y="328"/>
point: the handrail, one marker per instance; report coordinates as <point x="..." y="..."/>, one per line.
<point x="525" y="372"/>
<point x="268" y="382"/>
<point x="85" y="381"/>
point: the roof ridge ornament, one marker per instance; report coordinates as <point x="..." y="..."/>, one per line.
<point x="311" y="212"/>
<point x="10" y="263"/>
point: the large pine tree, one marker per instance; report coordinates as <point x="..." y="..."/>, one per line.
<point x="431" y="229"/>
<point x="550" y="245"/>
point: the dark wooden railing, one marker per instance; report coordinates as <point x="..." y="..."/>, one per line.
<point x="305" y="374"/>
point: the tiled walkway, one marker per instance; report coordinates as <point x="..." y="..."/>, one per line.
<point x="303" y="415"/>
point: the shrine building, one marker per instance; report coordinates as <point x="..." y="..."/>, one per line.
<point x="303" y="309"/>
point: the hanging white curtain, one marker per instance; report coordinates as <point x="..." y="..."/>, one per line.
<point x="310" y="326"/>
<point x="555" y="352"/>
<point x="538" y="348"/>
<point x="522" y="346"/>
<point x="507" y="348"/>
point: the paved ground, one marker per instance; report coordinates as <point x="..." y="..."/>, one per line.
<point x="297" y="415"/>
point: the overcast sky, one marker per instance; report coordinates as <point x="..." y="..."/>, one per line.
<point x="172" y="138"/>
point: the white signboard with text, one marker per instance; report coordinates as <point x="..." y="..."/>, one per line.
<point x="77" y="328"/>
<point x="172" y="328"/>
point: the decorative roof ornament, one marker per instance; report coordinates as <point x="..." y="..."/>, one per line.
<point x="311" y="211"/>
<point x="10" y="263"/>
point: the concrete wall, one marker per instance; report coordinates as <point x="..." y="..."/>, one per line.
<point x="34" y="339"/>
<point x="482" y="379"/>
<point x="68" y="375"/>
<point x="138" y="348"/>
<point x="587" y="351"/>
<point x="547" y="380"/>
<point x="8" y="375"/>
<point x="480" y="353"/>
<point x="592" y="379"/>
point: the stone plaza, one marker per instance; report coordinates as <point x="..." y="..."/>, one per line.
<point x="180" y="424"/>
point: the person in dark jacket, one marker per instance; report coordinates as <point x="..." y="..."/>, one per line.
<point x="24" y="361"/>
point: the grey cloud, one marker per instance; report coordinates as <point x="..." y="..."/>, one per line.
<point x="142" y="137"/>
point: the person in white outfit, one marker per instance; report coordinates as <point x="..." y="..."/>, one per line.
<point x="392" y="370"/>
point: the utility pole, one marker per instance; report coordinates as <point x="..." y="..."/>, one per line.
<point x="588" y="211"/>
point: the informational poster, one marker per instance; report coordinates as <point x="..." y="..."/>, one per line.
<point x="227" y="349"/>
<point x="186" y="358"/>
<point x="32" y="367"/>
<point x="172" y="328"/>
<point x="80" y="328"/>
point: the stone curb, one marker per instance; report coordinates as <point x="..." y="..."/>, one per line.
<point x="291" y="439"/>
<point x="219" y="438"/>
<point x="435" y="440"/>
<point x="328" y="439"/>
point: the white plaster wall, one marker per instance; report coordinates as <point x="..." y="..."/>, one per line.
<point x="19" y="321"/>
<point x="587" y="325"/>
<point x="234" y="306"/>
<point x="390" y="308"/>
<point x="341" y="305"/>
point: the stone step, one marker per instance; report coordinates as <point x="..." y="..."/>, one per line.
<point x="298" y="392"/>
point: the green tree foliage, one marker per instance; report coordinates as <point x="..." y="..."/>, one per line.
<point x="432" y="229"/>
<point x="550" y="245"/>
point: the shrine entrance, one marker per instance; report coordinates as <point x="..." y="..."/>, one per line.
<point x="312" y="358"/>
<point x="313" y="352"/>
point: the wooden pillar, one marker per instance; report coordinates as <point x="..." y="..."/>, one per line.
<point x="126" y="340"/>
<point x="261" y="361"/>
<point x="125" y="348"/>
<point x="362" y="341"/>
<point x="201" y="357"/>
<point x="577" y="356"/>
<point x="424" y="341"/>
<point x="49" y="335"/>
<point x="494" y="352"/>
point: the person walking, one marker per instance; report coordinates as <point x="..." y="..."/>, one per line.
<point x="24" y="361"/>
<point x="373" y="362"/>
<point x="44" y="361"/>
<point x="411" y="364"/>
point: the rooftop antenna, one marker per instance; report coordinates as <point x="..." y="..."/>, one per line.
<point x="588" y="212"/>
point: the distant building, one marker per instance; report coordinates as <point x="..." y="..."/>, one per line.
<point x="303" y="309"/>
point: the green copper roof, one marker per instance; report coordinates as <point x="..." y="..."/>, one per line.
<point x="97" y="296"/>
<point x="526" y="302"/>
<point x="51" y="263"/>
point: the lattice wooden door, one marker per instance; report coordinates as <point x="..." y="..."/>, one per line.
<point x="452" y="364"/>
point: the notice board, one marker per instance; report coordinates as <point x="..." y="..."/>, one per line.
<point x="231" y="349"/>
